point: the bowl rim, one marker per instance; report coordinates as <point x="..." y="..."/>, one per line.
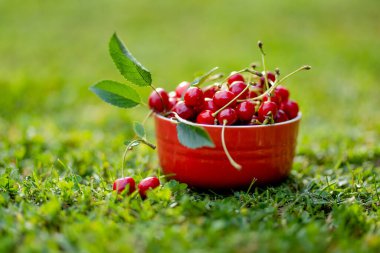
<point x="298" y="118"/>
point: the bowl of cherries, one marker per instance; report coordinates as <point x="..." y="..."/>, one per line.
<point x="216" y="132"/>
<point x="250" y="119"/>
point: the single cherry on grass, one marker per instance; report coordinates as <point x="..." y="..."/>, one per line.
<point x="147" y="184"/>
<point x="221" y="98"/>
<point x="205" y="117"/>
<point x="229" y="115"/>
<point x="159" y="100"/>
<point x="235" y="77"/>
<point x="267" y="108"/>
<point x="121" y="183"/>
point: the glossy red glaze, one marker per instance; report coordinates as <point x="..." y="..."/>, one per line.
<point x="265" y="152"/>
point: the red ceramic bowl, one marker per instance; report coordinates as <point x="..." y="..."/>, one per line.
<point x="265" y="153"/>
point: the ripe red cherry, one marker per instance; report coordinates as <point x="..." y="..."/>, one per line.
<point x="291" y="108"/>
<point x="234" y="78"/>
<point x="172" y="102"/>
<point x="256" y="91"/>
<point x="205" y="117"/>
<point x="121" y="183"/>
<point x="209" y="105"/>
<point x="281" y="116"/>
<point x="221" y="98"/>
<point x="270" y="76"/>
<point x="159" y="102"/>
<point x="181" y="88"/>
<point x="147" y="184"/>
<point x="194" y="97"/>
<point x="227" y="114"/>
<point x="245" y="110"/>
<point x="183" y="110"/>
<point x="267" y="108"/>
<point x="210" y="91"/>
<point x="237" y="87"/>
<point x="273" y="98"/>
<point x="282" y="92"/>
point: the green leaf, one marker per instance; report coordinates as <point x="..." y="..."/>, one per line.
<point x="128" y="66"/>
<point x="201" y="79"/>
<point x="134" y="144"/>
<point x="139" y="129"/>
<point x="116" y="94"/>
<point x="193" y="137"/>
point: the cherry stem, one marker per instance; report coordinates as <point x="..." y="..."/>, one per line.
<point x="230" y="102"/>
<point x="204" y="78"/>
<point x="147" y="117"/>
<point x="230" y="159"/>
<point x="276" y="83"/>
<point x="260" y="44"/>
<point x="130" y="147"/>
<point x="306" y="67"/>
<point x="182" y="120"/>
<point x="254" y="72"/>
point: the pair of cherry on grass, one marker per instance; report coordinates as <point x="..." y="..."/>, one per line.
<point x="145" y="185"/>
<point x="234" y="105"/>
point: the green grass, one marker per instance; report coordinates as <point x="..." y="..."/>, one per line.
<point x="61" y="147"/>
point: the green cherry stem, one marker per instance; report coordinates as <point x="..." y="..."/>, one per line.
<point x="125" y="155"/>
<point x="130" y="146"/>
<point x="276" y="83"/>
<point x="254" y="72"/>
<point x="230" y="159"/>
<point x="147" y="117"/>
<point x="306" y="67"/>
<point x="260" y="44"/>
<point x="183" y="120"/>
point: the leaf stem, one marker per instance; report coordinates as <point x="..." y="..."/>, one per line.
<point x="147" y="117"/>
<point x="230" y="159"/>
<point x="130" y="146"/>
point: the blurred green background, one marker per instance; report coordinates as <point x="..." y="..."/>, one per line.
<point x="52" y="51"/>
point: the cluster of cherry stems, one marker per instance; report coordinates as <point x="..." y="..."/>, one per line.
<point x="237" y="102"/>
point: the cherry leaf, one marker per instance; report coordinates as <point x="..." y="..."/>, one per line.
<point x="117" y="94"/>
<point x="193" y="136"/>
<point x="129" y="67"/>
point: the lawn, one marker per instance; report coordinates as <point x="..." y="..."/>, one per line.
<point x="61" y="147"/>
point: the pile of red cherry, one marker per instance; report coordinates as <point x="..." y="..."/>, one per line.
<point x="146" y="184"/>
<point x="204" y="106"/>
